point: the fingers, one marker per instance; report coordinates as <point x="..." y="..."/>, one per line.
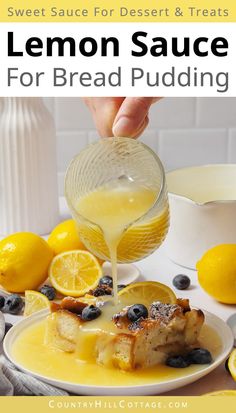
<point x="142" y="128"/>
<point x="132" y="117"/>
<point x="119" y="116"/>
<point x="104" y="111"/>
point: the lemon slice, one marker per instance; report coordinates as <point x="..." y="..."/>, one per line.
<point x="74" y="272"/>
<point x="222" y="393"/>
<point x="232" y="364"/>
<point x="146" y="293"/>
<point x="35" y="301"/>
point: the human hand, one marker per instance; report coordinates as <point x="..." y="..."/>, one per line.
<point x="120" y="116"/>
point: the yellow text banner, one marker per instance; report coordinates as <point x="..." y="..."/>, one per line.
<point x="116" y="404"/>
<point x="118" y="11"/>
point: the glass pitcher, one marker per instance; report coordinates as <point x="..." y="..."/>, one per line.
<point x="110" y="162"/>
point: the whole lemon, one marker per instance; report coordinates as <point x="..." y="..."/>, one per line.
<point x="65" y="237"/>
<point x="217" y="273"/>
<point x="24" y="261"/>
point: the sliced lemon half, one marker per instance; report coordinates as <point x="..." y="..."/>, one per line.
<point x="35" y="301"/>
<point x="146" y="293"/>
<point x="232" y="364"/>
<point x="75" y="272"/>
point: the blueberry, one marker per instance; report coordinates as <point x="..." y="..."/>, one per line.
<point x="98" y="292"/>
<point x="90" y="313"/>
<point x="13" y="304"/>
<point x="136" y="311"/>
<point x="2" y="301"/>
<point x="102" y="290"/>
<point x="200" y="356"/>
<point x="106" y="280"/>
<point x="49" y="291"/>
<point x="178" y="362"/>
<point x="121" y="286"/>
<point x="181" y="282"/>
<point x="8" y="326"/>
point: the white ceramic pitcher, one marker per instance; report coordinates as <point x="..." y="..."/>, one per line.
<point x="202" y="211"/>
<point x="28" y="173"/>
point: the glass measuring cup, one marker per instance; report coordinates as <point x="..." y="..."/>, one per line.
<point x="111" y="163"/>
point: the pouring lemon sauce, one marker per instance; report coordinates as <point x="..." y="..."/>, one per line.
<point x="115" y="208"/>
<point x="116" y="191"/>
<point x="117" y="195"/>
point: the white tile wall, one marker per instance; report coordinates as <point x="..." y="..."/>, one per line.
<point x="220" y="113"/>
<point x="72" y="114"/>
<point x="189" y="147"/>
<point x="183" y="131"/>
<point x="171" y="113"/>
<point x="69" y="144"/>
<point x="93" y="136"/>
<point x="150" y="138"/>
<point x="232" y="146"/>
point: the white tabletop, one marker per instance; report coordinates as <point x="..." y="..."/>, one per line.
<point x="158" y="267"/>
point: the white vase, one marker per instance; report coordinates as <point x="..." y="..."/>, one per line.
<point x="28" y="173"/>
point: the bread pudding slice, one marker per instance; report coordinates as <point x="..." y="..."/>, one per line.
<point x="169" y="329"/>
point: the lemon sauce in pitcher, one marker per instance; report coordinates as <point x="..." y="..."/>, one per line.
<point x="115" y="230"/>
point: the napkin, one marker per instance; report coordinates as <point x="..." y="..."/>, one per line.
<point x="16" y="383"/>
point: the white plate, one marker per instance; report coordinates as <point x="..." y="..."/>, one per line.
<point x="126" y="273"/>
<point x="147" y="389"/>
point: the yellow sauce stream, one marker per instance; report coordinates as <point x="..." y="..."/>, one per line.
<point x="113" y="208"/>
